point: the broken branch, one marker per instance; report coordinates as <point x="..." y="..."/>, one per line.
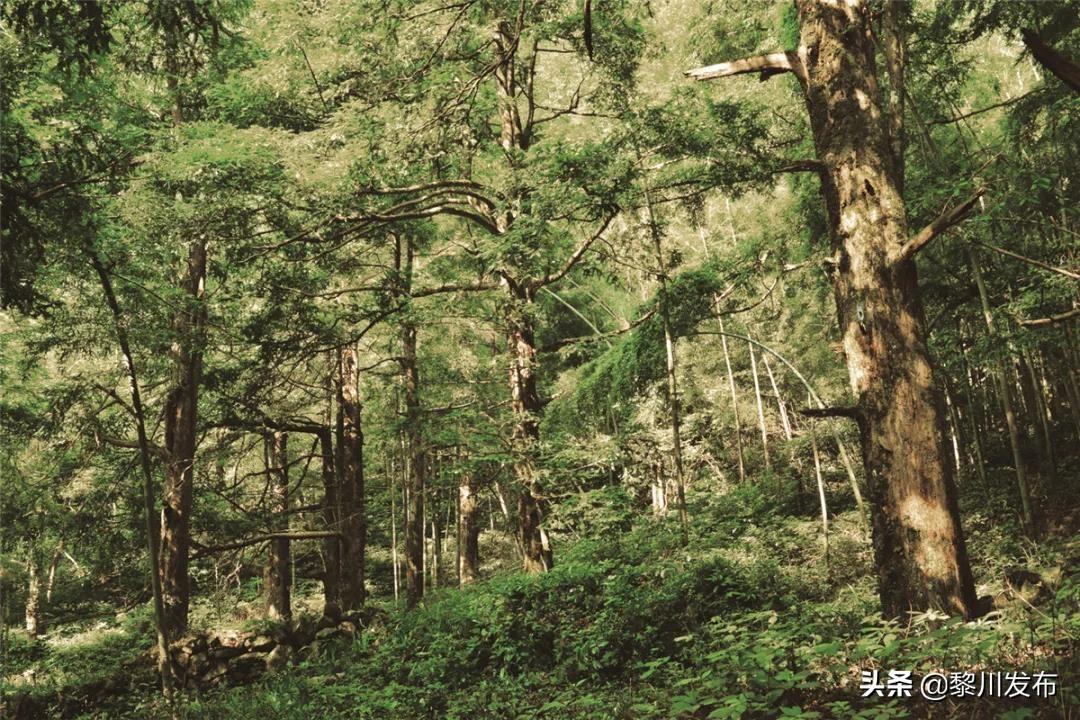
<point x="768" y="65"/>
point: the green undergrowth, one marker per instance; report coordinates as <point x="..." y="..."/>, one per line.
<point x="746" y="620"/>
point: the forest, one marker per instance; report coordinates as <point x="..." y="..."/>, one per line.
<point x="539" y="359"/>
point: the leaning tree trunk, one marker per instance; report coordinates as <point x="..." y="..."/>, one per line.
<point x="351" y="481"/>
<point x="526" y="407"/>
<point x="181" y="417"/>
<point x="919" y="547"/>
<point x="279" y="561"/>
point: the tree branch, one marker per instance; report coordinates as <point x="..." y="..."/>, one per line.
<point x="806" y="165"/>
<point x="1030" y="261"/>
<point x="573" y="260"/>
<point x="154" y="449"/>
<point x="768" y="65"/>
<point x="1051" y="320"/>
<point x="452" y="287"/>
<point x="980" y="111"/>
<point x="822" y="412"/>
<point x="1065" y="69"/>
<point x="941" y="223"/>
<point x="558" y="344"/>
<point x="204" y="550"/>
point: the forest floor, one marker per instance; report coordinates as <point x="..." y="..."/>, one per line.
<point x="748" y="619"/>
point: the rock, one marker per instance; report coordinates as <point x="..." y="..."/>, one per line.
<point x="261" y="643"/>
<point x="279" y="658"/>
<point x="199" y="662"/>
<point x="247" y="667"/>
<point x="327" y="633"/>
<point x="218" y="671"/>
<point x="227" y="652"/>
<point x="1026" y="585"/>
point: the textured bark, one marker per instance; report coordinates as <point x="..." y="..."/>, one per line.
<point x="351" y="481"/>
<point x="468" y="530"/>
<point x="919" y="547"/>
<point x="278" y="580"/>
<point x="181" y="418"/>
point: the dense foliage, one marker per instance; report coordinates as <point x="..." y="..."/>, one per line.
<point x="267" y="266"/>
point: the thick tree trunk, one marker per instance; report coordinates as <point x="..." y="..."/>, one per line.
<point x="468" y="530"/>
<point x="181" y="418"/>
<point x="351" y="481"/>
<point x="919" y="547"/>
<point x="526" y="407"/>
<point x="278" y="581"/>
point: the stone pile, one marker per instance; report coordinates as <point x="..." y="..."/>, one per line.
<point x="237" y="658"/>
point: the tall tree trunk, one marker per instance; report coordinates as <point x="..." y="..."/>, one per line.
<point x="181" y="424"/>
<point x="1041" y="415"/>
<point x="436" y="530"/>
<point x="416" y="456"/>
<point x="734" y="396"/>
<point x="50" y="581"/>
<point x="918" y="544"/>
<point x="784" y="421"/>
<point x="278" y="582"/>
<point x="821" y="493"/>
<point x="468" y="529"/>
<point x="35" y="625"/>
<point x="760" y="406"/>
<point x="331" y="508"/>
<point x="1005" y="390"/>
<point x="670" y="363"/>
<point x="351" y="487"/>
<point x="526" y="407"/>
<point x="392" y="491"/>
<point x="166" y="667"/>
<point x="853" y="481"/>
